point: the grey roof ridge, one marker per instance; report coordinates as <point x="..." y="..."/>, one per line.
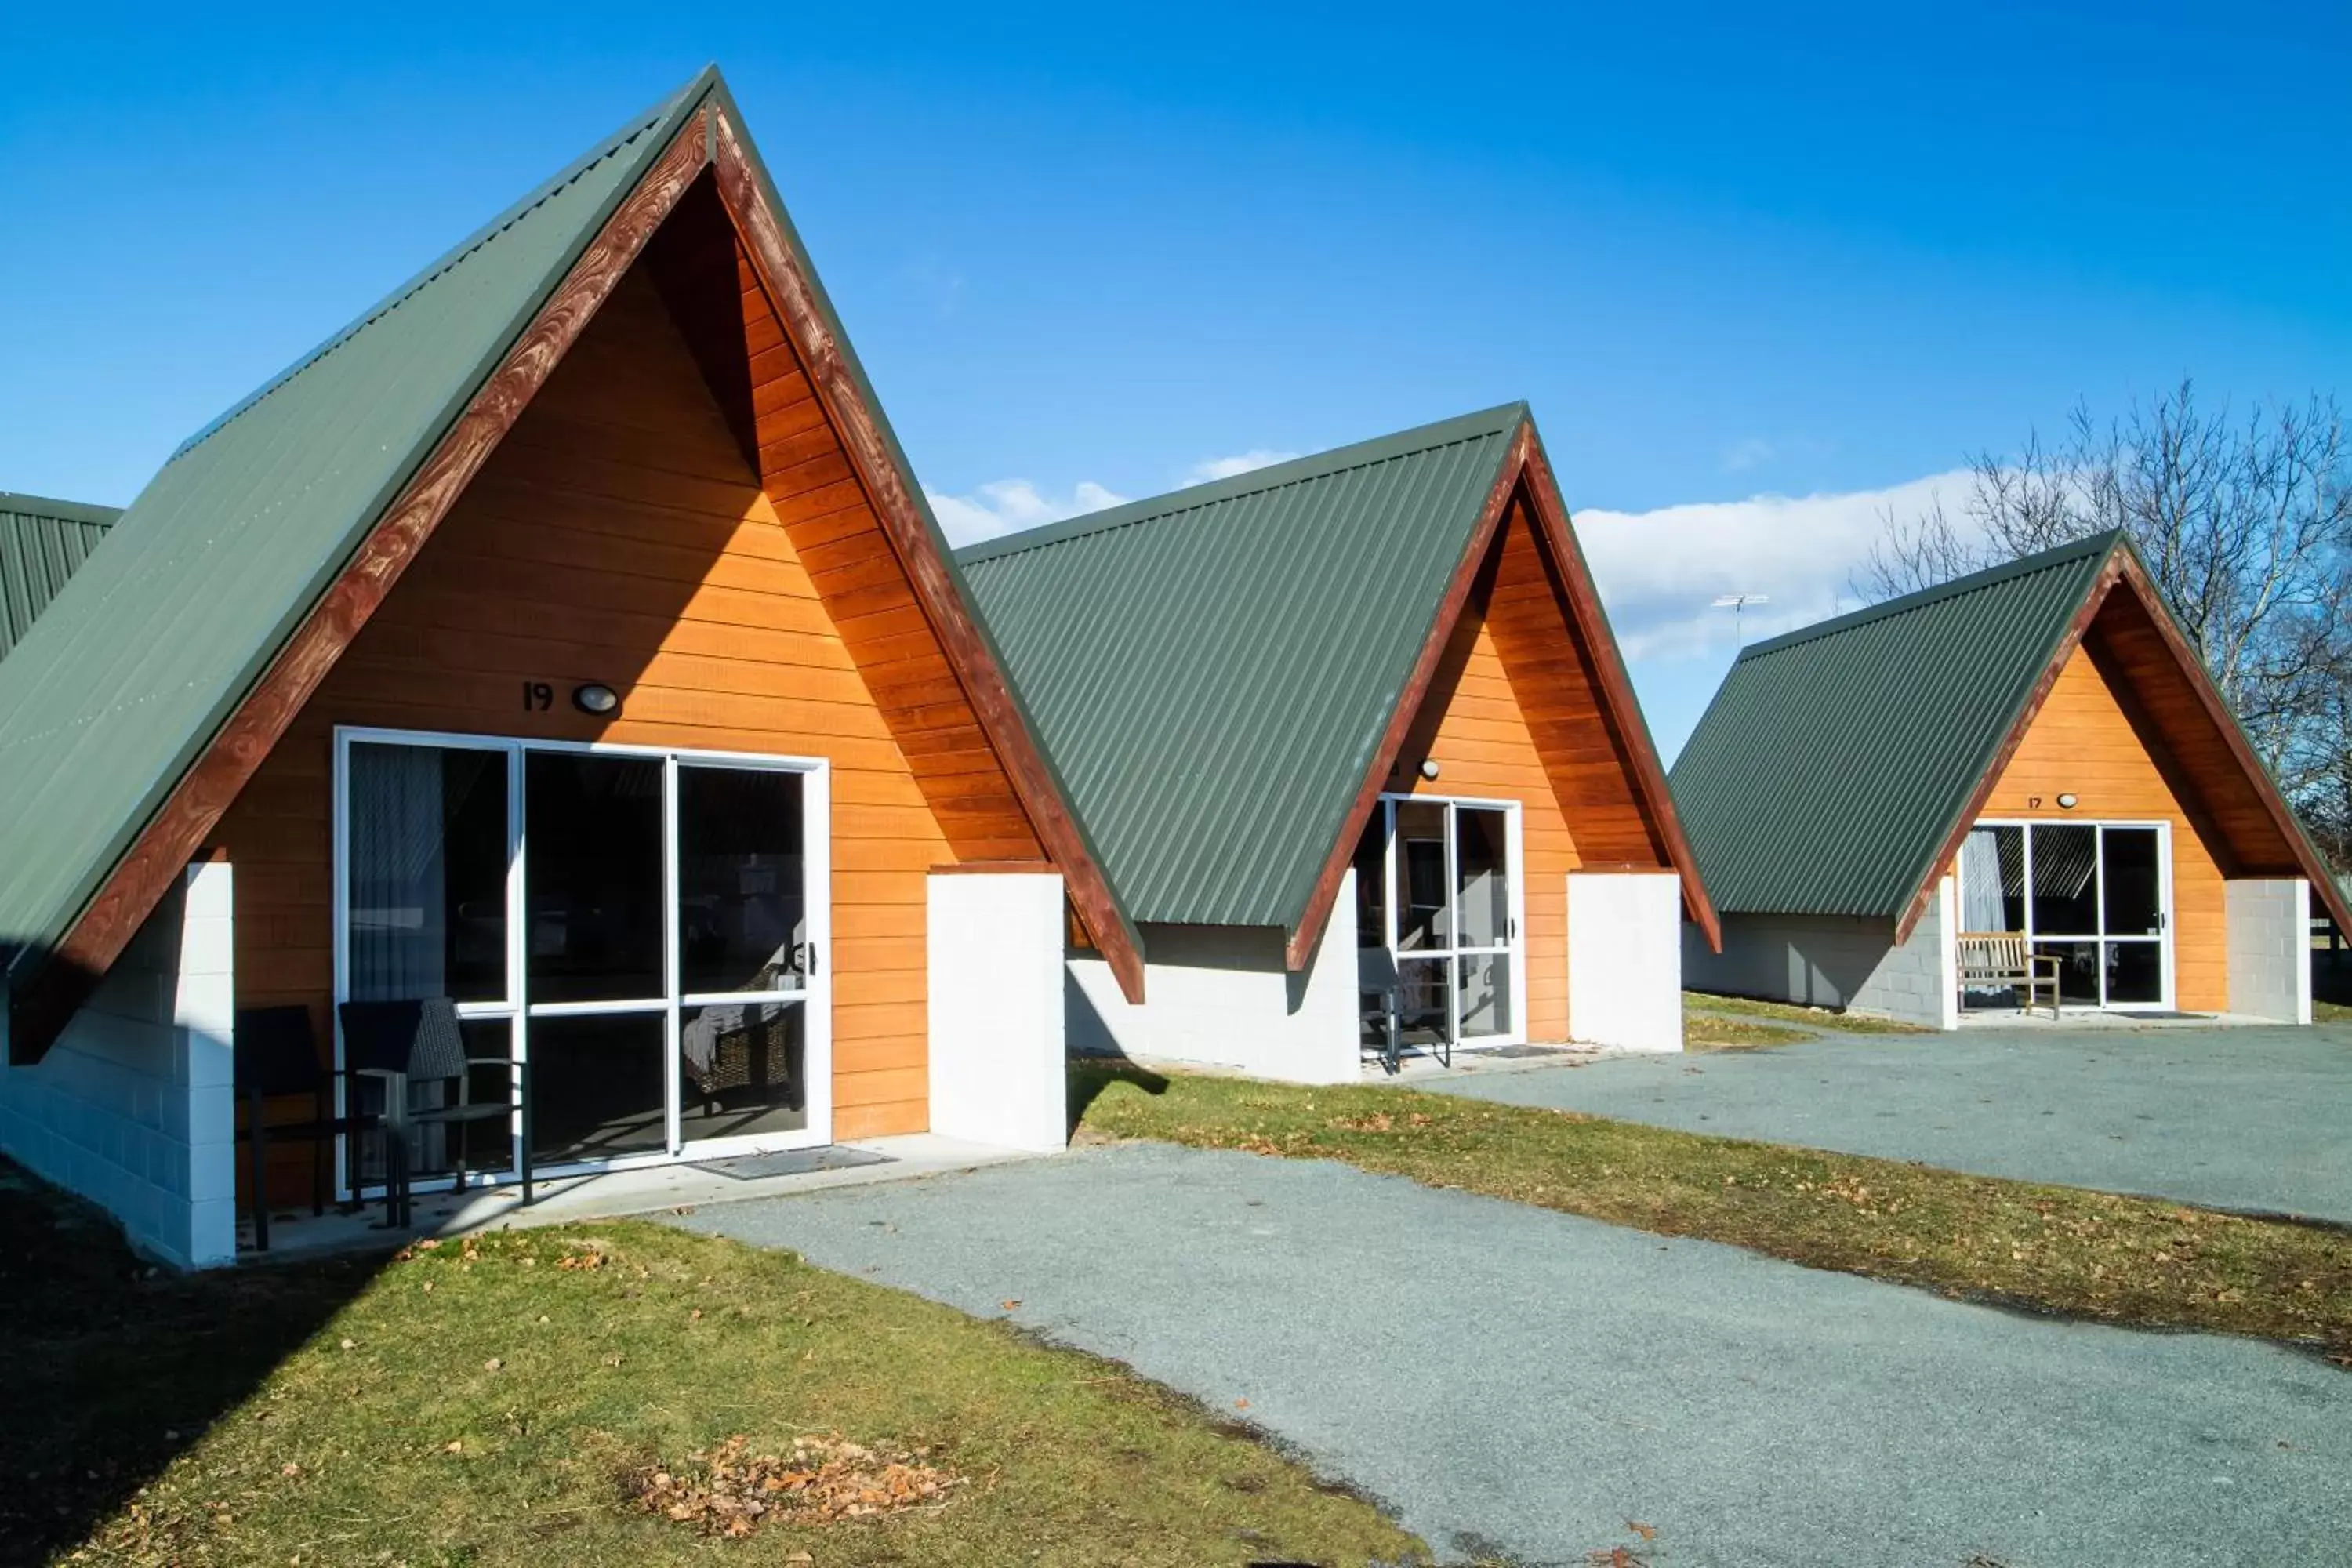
<point x="653" y="118"/>
<point x="1274" y="476"/>
<point x="64" y="510"/>
<point x="2080" y="549"/>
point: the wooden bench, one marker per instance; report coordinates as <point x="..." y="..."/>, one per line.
<point x="1996" y="958"/>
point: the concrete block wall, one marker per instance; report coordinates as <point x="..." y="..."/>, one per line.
<point x="1624" y="960"/>
<point x="1221" y="997"/>
<point x="134" y="1106"/>
<point x="1836" y="961"/>
<point x="996" y="1016"/>
<point x="2270" y="948"/>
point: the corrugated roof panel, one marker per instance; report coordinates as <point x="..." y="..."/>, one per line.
<point x="43" y="543"/>
<point x="131" y="672"/>
<point x="1211" y="670"/>
<point x="1834" y="761"/>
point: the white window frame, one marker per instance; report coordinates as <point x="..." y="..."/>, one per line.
<point x="1515" y="946"/>
<point x="2164" y="920"/>
<point x="815" y="997"/>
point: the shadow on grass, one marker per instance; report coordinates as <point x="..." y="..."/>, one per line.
<point x="113" y="1366"/>
<point x="1090" y="1076"/>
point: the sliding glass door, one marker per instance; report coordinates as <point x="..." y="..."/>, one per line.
<point x="2095" y="895"/>
<point x="1438" y="916"/>
<point x="645" y="928"/>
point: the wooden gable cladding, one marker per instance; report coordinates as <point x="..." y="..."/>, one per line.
<point x="1472" y="726"/>
<point x="619" y="536"/>
<point x="2166" y="706"/>
<point x="1521" y="567"/>
<point x="1555" y="671"/>
<point x="2086" y="741"/>
<point x="2179" y="721"/>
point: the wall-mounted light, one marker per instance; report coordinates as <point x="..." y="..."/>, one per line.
<point x="1429" y="768"/>
<point x="596" y="699"/>
<point x="2066" y="802"/>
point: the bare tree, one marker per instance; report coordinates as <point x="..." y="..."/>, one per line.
<point x="2245" y="526"/>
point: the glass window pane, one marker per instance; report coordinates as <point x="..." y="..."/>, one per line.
<point x="1485" y="995"/>
<point x="2065" y="879"/>
<point x="593" y="880"/>
<point x="743" y="1067"/>
<point x="1424" y="914"/>
<point x="596" y="1087"/>
<point x="1371" y="881"/>
<point x="2135" y="972"/>
<point x="1421" y="985"/>
<point x="743" y="910"/>
<point x="1993" y="880"/>
<point x="1482" y="866"/>
<point x="2129" y="876"/>
<point x="2078" y="970"/>
<point x="427" y="873"/>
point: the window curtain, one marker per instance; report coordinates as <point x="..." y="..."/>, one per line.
<point x="399" y="916"/>
<point x="1981" y="905"/>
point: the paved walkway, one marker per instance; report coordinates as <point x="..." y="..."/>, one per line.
<point x="2251" y="1118"/>
<point x="1522" y="1383"/>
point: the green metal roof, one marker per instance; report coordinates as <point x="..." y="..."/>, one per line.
<point x="43" y="543"/>
<point x="1834" y="759"/>
<point x="133" y="670"/>
<point x="1211" y="670"/>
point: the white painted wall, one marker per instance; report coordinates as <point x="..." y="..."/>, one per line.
<point x="134" y="1106"/>
<point x="1837" y="961"/>
<point x="2270" y="948"/>
<point x="1624" y="960"/>
<point x="996" y="1011"/>
<point x="1220" y="997"/>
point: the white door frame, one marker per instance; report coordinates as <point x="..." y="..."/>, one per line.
<point x="815" y="997"/>
<point x="1515" y="945"/>
<point x="2166" y="924"/>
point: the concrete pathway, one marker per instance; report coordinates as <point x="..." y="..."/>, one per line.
<point x="2251" y="1118"/>
<point x="1519" y="1383"/>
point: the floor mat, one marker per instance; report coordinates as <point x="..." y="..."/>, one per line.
<point x="792" y="1163"/>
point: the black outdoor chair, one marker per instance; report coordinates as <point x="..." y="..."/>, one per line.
<point x="404" y="1044"/>
<point x="276" y="1056"/>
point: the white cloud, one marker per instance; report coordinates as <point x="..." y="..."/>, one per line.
<point x="1007" y="506"/>
<point x="1201" y="472"/>
<point x="1659" y="571"/>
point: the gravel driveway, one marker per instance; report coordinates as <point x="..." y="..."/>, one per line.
<point x="2251" y="1118"/>
<point x="1515" y="1381"/>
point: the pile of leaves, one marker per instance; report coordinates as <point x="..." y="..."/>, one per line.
<point x="730" y="1491"/>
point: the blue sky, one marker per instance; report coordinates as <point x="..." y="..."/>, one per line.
<point x="1761" y="272"/>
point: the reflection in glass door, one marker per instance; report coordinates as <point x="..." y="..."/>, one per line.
<point x="2093" y="895"/>
<point x="1438" y="925"/>
<point x="645" y="929"/>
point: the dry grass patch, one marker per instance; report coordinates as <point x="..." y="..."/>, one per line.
<point x="1789" y="1012"/>
<point x="2060" y="1249"/>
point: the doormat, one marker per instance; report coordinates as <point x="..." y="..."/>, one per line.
<point x="2176" y="1018"/>
<point x="1517" y="1053"/>
<point x="792" y="1163"/>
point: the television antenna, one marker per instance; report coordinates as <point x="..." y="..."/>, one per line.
<point x="1736" y="602"/>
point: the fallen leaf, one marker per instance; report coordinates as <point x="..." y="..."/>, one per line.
<point x="1241" y="1404"/>
<point x="1646" y="1532"/>
<point x="493" y="1365"/>
<point x="1008" y="1306"/>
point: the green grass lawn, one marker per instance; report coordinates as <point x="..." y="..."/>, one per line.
<point x="1789" y="1012"/>
<point x="496" y="1403"/>
<point x="2061" y="1249"/>
<point x="2330" y="1013"/>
